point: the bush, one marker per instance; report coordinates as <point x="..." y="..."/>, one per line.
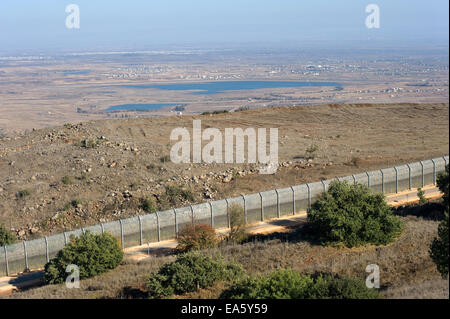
<point x="421" y="196"/>
<point x="6" y="237"/>
<point x="443" y="182"/>
<point x="93" y="254"/>
<point x="148" y="205"/>
<point x="23" y="193"/>
<point x="66" y="180"/>
<point x="289" y="284"/>
<point x="440" y="246"/>
<point x="238" y="232"/>
<point x="196" y="237"/>
<point x="353" y="216"/>
<point x="188" y="273"/>
<point x="175" y="195"/>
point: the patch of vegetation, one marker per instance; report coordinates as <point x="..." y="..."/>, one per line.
<point x="355" y="161"/>
<point x="190" y="272"/>
<point x="443" y="184"/>
<point x="23" y="193"/>
<point x="242" y="108"/>
<point x="130" y="164"/>
<point x="440" y="246"/>
<point x="93" y="254"/>
<point x="311" y="151"/>
<point x="289" y="284"/>
<point x="6" y="237"/>
<point x="148" y="205"/>
<point x="175" y="195"/>
<point x="421" y="196"/>
<point x="88" y="143"/>
<point x="215" y="112"/>
<point x="352" y="215"/>
<point x="67" y="180"/>
<point x="196" y="237"/>
<point x="238" y="230"/>
<point x="164" y="159"/>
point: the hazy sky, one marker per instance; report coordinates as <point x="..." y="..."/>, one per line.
<point x="140" y="24"/>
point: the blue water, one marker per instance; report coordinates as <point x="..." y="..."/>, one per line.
<point x="224" y="86"/>
<point x="138" y="107"/>
<point x="76" y="72"/>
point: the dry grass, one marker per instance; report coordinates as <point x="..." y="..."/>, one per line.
<point x="406" y="269"/>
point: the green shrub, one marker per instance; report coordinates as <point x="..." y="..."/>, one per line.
<point x="311" y="151"/>
<point x="440" y="246"/>
<point x="164" y="159"/>
<point x="6" y="237"/>
<point x="88" y="143"/>
<point x="238" y="231"/>
<point x="23" y="193"/>
<point x="196" y="237"/>
<point x="175" y="195"/>
<point x="421" y="196"/>
<point x="93" y="254"/>
<point x="352" y="215"/>
<point x="443" y="182"/>
<point x="148" y="205"/>
<point x="289" y="284"/>
<point x="67" y="180"/>
<point x="188" y="273"/>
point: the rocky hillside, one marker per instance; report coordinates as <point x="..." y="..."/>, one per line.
<point x="81" y="174"/>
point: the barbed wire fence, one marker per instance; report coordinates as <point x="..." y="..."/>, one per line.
<point x="164" y="225"/>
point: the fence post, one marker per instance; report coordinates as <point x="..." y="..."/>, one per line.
<point x="83" y="230"/>
<point x="6" y="260"/>
<point x="382" y="181"/>
<point x="396" y="179"/>
<point x="141" y="241"/>
<point x="354" y="179"/>
<point x="309" y="195"/>
<point x="212" y="214"/>
<point x="278" y="204"/>
<point x="368" y="179"/>
<point x="158" y="226"/>
<point x="192" y="214"/>
<point x="434" y="171"/>
<point x="121" y="234"/>
<point x="176" y="222"/>
<point x="65" y="238"/>
<point x="26" y="255"/>
<point x="103" y="228"/>
<point x="262" y="207"/>
<point x="46" y="249"/>
<point x="423" y="174"/>
<point x="228" y="213"/>
<point x="324" y="186"/>
<point x="445" y="160"/>
<point x="293" y="200"/>
<point x="245" y="209"/>
<point x="410" y="177"/>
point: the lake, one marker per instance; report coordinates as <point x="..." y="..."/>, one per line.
<point x="139" y="107"/>
<point x="224" y="86"/>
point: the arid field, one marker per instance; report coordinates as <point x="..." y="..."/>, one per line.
<point x="81" y="174"/>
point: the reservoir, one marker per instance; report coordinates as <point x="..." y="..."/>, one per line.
<point x="138" y="107"/>
<point x="207" y="88"/>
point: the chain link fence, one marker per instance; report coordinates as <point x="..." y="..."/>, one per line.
<point x="34" y="254"/>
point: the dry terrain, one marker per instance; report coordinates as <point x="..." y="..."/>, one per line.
<point x="406" y="270"/>
<point x="80" y="174"/>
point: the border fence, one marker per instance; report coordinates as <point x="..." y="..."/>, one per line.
<point x="34" y="254"/>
